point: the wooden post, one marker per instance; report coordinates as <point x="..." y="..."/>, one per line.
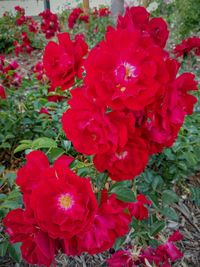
<point x="86" y="6"/>
<point x="145" y="3"/>
<point x="47" y="4"/>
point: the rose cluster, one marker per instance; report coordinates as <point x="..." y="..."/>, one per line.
<point x="50" y="24"/>
<point x="61" y="212"/>
<point x="133" y="102"/>
<point x="77" y="15"/>
<point x="163" y="255"/>
<point x="101" y="12"/>
<point x="188" y="45"/>
<point x="24" y="46"/>
<point x="38" y="70"/>
<point x="28" y="20"/>
<point x="8" y="75"/>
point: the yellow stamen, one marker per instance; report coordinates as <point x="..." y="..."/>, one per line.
<point x="66" y="201"/>
<point x="122" y="89"/>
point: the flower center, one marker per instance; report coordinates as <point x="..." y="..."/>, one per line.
<point x="130" y="71"/>
<point x="126" y="72"/>
<point x="66" y="201"/>
<point x="121" y="155"/>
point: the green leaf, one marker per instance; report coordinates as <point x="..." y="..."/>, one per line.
<point x="101" y="180"/>
<point x="9" y="205"/>
<point x="55" y="153"/>
<point x="3" y="248"/>
<point x="14" y="252"/>
<point x="195" y="195"/>
<point x="190" y="157"/>
<point x="119" y="242"/>
<point x="156" y="227"/>
<point x="10" y="177"/>
<point x="157" y="182"/>
<point x="169" y="197"/>
<point x="170" y="213"/>
<point x="169" y="154"/>
<point x="82" y="172"/>
<point x="43" y="142"/>
<point x="22" y="147"/>
<point x="123" y="193"/>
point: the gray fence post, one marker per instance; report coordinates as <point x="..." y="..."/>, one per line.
<point x="117" y="8"/>
<point x="47" y="4"/>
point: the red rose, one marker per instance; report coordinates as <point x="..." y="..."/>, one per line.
<point x="19" y="224"/>
<point x="133" y="74"/>
<point x="188" y="45"/>
<point x="121" y="258"/>
<point x="73" y="16"/>
<point x="63" y="203"/>
<point x="134" y="18"/>
<point x="54" y="97"/>
<point x="31" y="173"/>
<point x="157" y="28"/>
<point x="44" y="111"/>
<point x="63" y="61"/>
<point x="87" y="126"/>
<point x="111" y="221"/>
<point x="20" y="10"/>
<point x="126" y="162"/>
<point x="137" y="209"/>
<point x="138" y="18"/>
<point x="162" y="126"/>
<point x="2" y="92"/>
<point x="50" y="23"/>
<point x="103" y="12"/>
<point x="37" y="247"/>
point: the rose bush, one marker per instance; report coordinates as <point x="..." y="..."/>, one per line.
<point x="125" y="103"/>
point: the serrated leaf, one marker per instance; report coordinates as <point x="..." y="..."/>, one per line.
<point x="119" y="242"/>
<point x="169" y="154"/>
<point x="195" y="195"/>
<point x="170" y="213"/>
<point x="156" y="227"/>
<point x="3" y="248"/>
<point x="101" y="180"/>
<point x="123" y="193"/>
<point x="15" y="252"/>
<point x="157" y="181"/>
<point x="22" y="147"/>
<point x="169" y="197"/>
<point x="55" y="153"/>
<point x="43" y="142"/>
<point x="10" y="177"/>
